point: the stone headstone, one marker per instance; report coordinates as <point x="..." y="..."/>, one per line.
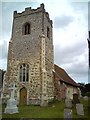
<point x="85" y="98"/>
<point x="44" y="103"/>
<point x="79" y="108"/>
<point x="68" y="103"/>
<point x="67" y="114"/>
<point x="11" y="107"/>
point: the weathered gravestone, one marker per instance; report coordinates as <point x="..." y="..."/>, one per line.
<point x="67" y="114"/>
<point x="79" y="108"/>
<point x="68" y="103"/>
<point x="11" y="107"/>
<point x="86" y="98"/>
<point x="67" y="109"/>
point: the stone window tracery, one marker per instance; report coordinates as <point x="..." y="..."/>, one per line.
<point x="24" y="73"/>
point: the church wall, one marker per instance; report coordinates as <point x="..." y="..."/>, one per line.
<point x="60" y="90"/>
<point x="70" y="91"/>
<point x="63" y="90"/>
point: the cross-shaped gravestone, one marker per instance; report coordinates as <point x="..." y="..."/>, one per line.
<point x="13" y="88"/>
<point x="11" y="107"/>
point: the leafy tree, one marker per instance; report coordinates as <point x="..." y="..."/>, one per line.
<point x="85" y="89"/>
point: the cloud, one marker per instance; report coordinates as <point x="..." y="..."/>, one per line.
<point x="63" y="21"/>
<point x="3" y="54"/>
<point x="70" y="54"/>
<point x="7" y="14"/>
<point x="19" y="1"/>
<point x="79" y="6"/>
<point x="3" y="50"/>
<point x="3" y="64"/>
<point x="79" y="70"/>
<point x="89" y="16"/>
<point x="0" y="20"/>
<point x="74" y="59"/>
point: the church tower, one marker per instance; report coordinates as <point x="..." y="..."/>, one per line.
<point x="30" y="57"/>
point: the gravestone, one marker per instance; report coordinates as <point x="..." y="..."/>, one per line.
<point x="79" y="108"/>
<point x="44" y="103"/>
<point x="67" y="114"/>
<point x="68" y="103"/>
<point x="11" y="107"/>
<point x="86" y="98"/>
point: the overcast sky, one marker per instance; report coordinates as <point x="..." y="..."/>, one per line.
<point x="70" y="32"/>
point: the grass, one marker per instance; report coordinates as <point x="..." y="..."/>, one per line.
<point x="54" y="110"/>
<point x="0" y="110"/>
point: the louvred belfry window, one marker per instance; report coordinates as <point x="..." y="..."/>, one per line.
<point x="48" y="32"/>
<point x="26" y="29"/>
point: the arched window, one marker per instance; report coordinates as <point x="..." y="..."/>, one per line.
<point x="26" y="29"/>
<point x="48" y="32"/>
<point x="20" y="75"/>
<point x="27" y="72"/>
<point x="24" y="73"/>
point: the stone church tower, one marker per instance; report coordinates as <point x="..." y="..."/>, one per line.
<point x="30" y="57"/>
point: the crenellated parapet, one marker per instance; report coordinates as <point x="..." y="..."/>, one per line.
<point x="29" y="10"/>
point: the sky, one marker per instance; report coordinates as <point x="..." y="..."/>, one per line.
<point x="70" y="32"/>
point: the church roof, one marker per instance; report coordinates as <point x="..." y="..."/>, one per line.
<point x="63" y="76"/>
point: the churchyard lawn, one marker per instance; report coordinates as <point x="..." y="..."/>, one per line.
<point x="54" y="110"/>
<point x="0" y="109"/>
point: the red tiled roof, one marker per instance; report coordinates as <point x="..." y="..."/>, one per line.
<point x="63" y="76"/>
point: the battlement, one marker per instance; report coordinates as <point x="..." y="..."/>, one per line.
<point x="29" y="10"/>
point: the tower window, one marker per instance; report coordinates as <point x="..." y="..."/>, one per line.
<point x="27" y="73"/>
<point x="24" y="73"/>
<point x="20" y="73"/>
<point x="26" y="29"/>
<point x="48" y="32"/>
